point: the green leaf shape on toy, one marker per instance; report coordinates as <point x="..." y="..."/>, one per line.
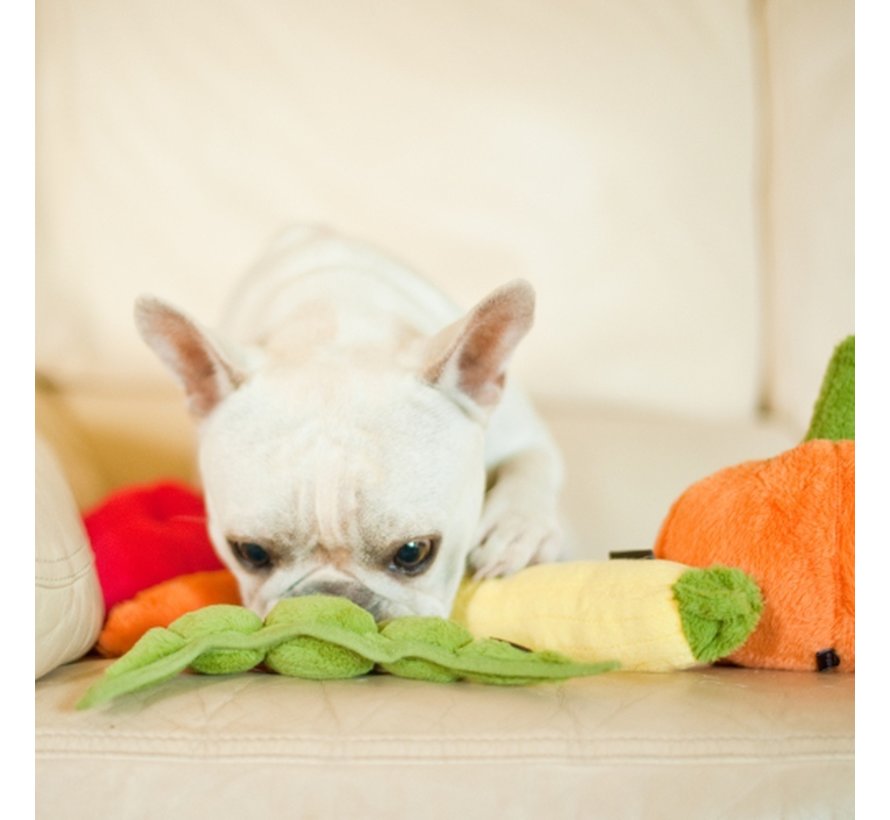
<point x="345" y="642"/>
<point x="719" y="608"/>
<point x="493" y="648"/>
<point x="834" y="414"/>
<point x="155" y="643"/>
<point x="437" y="631"/>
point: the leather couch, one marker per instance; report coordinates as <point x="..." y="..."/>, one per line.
<point x="675" y="179"/>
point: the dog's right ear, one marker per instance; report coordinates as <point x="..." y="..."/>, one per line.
<point x="205" y="372"/>
<point x="470" y="356"/>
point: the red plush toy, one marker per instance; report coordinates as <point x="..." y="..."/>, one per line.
<point x="142" y="536"/>
<point x="154" y="561"/>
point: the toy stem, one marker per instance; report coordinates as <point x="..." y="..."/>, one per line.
<point x="834" y="414"/>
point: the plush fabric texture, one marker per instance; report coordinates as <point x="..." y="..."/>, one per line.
<point x="719" y="607"/>
<point x="208" y="622"/>
<point x="322" y="637"/>
<point x="834" y="416"/>
<point x="162" y="604"/>
<point x="790" y="522"/>
<point x="621" y="608"/>
<point x="447" y="634"/>
<point x="149" y="534"/>
<point x="624" y="609"/>
<point x="313" y="657"/>
<point x="646" y="615"/>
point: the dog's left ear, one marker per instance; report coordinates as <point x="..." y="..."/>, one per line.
<point x="471" y="355"/>
<point x="205" y="371"/>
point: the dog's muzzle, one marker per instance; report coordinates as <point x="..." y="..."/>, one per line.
<point x="355" y="592"/>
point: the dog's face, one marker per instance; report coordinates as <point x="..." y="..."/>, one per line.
<point x="359" y="481"/>
<point x="369" y="487"/>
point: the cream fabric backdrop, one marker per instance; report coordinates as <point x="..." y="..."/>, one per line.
<point x="809" y="239"/>
<point x="562" y="142"/>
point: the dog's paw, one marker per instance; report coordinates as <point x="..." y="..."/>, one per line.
<point x="512" y="537"/>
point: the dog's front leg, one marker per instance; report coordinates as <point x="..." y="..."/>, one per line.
<point x="519" y="524"/>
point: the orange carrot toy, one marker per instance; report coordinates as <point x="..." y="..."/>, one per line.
<point x="161" y="604"/>
<point x="788" y="521"/>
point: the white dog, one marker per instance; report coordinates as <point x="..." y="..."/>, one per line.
<point x="356" y="436"/>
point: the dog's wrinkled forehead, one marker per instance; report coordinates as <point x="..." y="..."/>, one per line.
<point x="348" y="456"/>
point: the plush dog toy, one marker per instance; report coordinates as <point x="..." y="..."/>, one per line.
<point x="322" y="637"/>
<point x="647" y="615"/>
<point x="144" y="535"/>
<point x="789" y="521"/>
<point x="651" y="615"/>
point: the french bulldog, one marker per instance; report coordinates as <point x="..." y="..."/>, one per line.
<point x="356" y="434"/>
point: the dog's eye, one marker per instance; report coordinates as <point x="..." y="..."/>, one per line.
<point x="252" y="555"/>
<point x="414" y="556"/>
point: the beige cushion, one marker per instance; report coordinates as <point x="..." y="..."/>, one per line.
<point x="108" y="438"/>
<point x="809" y="260"/>
<point x="625" y="469"/>
<point x="68" y="601"/>
<point x="702" y="744"/>
<point x="607" y="152"/>
<point x="66" y="431"/>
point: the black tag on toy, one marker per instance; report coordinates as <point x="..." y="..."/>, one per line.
<point x="827" y="659"/>
<point x="644" y="554"/>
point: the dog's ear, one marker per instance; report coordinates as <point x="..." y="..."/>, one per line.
<point x="205" y="372"/>
<point x="471" y="355"/>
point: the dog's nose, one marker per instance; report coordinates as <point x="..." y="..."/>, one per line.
<point x="355" y="592"/>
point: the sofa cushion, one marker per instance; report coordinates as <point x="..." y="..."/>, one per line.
<point x="715" y="742"/>
<point x="809" y="253"/>
<point x="606" y="152"/>
<point x="68" y="601"/>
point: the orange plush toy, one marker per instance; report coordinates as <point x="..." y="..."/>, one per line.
<point x="788" y="522"/>
<point x="161" y="604"/>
